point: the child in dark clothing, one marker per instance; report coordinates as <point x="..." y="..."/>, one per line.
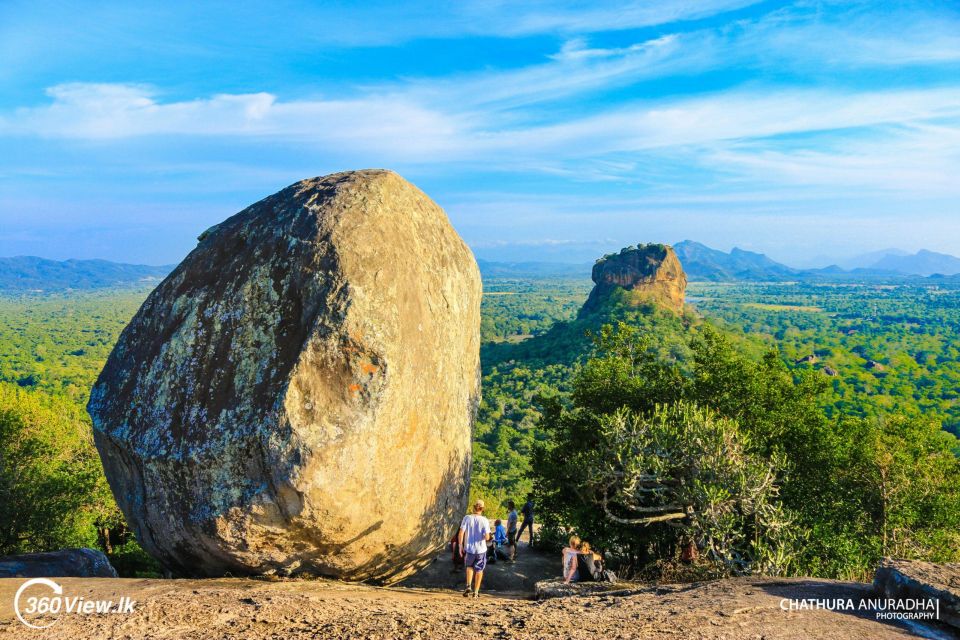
<point x="457" y="556"/>
<point x="590" y="566"/>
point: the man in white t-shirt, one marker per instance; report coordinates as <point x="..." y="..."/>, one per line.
<point x="473" y="537"/>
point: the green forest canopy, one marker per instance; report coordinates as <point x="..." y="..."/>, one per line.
<point x="886" y="355"/>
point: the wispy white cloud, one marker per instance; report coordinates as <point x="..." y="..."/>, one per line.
<point x="790" y="38"/>
<point x="796" y="36"/>
<point x="733" y="115"/>
<point x="906" y="159"/>
<point x="114" y="111"/>
<point x="579" y="49"/>
<point x="897" y="139"/>
<point x="511" y="18"/>
<point x="576" y="70"/>
<point x="777" y="112"/>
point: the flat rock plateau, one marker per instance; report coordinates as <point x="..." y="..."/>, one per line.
<point x="300" y="608"/>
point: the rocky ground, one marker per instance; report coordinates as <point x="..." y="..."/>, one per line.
<point x="244" y="608"/>
<point x="517" y="579"/>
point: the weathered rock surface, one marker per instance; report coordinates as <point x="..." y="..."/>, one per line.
<point x="736" y="609"/>
<point x="638" y="275"/>
<point x="557" y="588"/>
<point x="922" y="580"/>
<point x="298" y="395"/>
<point x="72" y="563"/>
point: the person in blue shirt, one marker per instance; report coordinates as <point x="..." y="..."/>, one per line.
<point x="500" y="533"/>
<point x="496" y="551"/>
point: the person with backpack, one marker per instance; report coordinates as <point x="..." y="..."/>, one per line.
<point x="590" y="566"/>
<point x="473" y="537"/>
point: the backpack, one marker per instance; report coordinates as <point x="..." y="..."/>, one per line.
<point x="607" y="576"/>
<point x="592" y="570"/>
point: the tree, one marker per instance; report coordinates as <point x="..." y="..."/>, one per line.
<point x="636" y="467"/>
<point x="730" y="450"/>
<point x="52" y="490"/>
<point x="678" y="473"/>
<point x="911" y="483"/>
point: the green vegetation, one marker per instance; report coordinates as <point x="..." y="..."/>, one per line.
<point x="52" y="490"/>
<point x="895" y="349"/>
<point x="53" y="493"/>
<point x="515" y="374"/>
<point x="803" y="427"/>
<point x="834" y="428"/>
<point x="738" y="456"/>
<point x="58" y="343"/>
<point x="515" y="309"/>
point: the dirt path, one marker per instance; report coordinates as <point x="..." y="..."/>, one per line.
<point x="242" y="608"/>
<point x="518" y="578"/>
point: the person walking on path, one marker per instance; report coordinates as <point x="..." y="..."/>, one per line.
<point x="473" y="536"/>
<point x="527" y="511"/>
<point x="512" y="530"/>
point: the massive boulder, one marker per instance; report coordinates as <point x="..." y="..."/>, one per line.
<point x="638" y="275"/>
<point x="298" y="395"/>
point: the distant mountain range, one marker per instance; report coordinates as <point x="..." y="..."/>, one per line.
<point x="922" y="263"/>
<point x="703" y="263"/>
<point x="868" y="260"/>
<point x="700" y="262"/>
<point x="28" y="273"/>
<point x="490" y="269"/>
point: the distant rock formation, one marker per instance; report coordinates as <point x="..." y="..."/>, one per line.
<point x="298" y="395"/>
<point x="66" y="563"/>
<point x="637" y="275"/>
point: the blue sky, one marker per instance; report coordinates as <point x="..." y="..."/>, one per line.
<point x="807" y="130"/>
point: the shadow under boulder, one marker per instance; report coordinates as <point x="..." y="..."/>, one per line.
<point x="909" y="579"/>
<point x="66" y="563"/>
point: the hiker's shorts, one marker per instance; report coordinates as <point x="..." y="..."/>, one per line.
<point x="476" y="561"/>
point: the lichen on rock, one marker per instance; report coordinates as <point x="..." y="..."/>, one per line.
<point x="298" y="395"/>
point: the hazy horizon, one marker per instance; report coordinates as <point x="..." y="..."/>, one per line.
<point x="568" y="253"/>
<point x="810" y="132"/>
